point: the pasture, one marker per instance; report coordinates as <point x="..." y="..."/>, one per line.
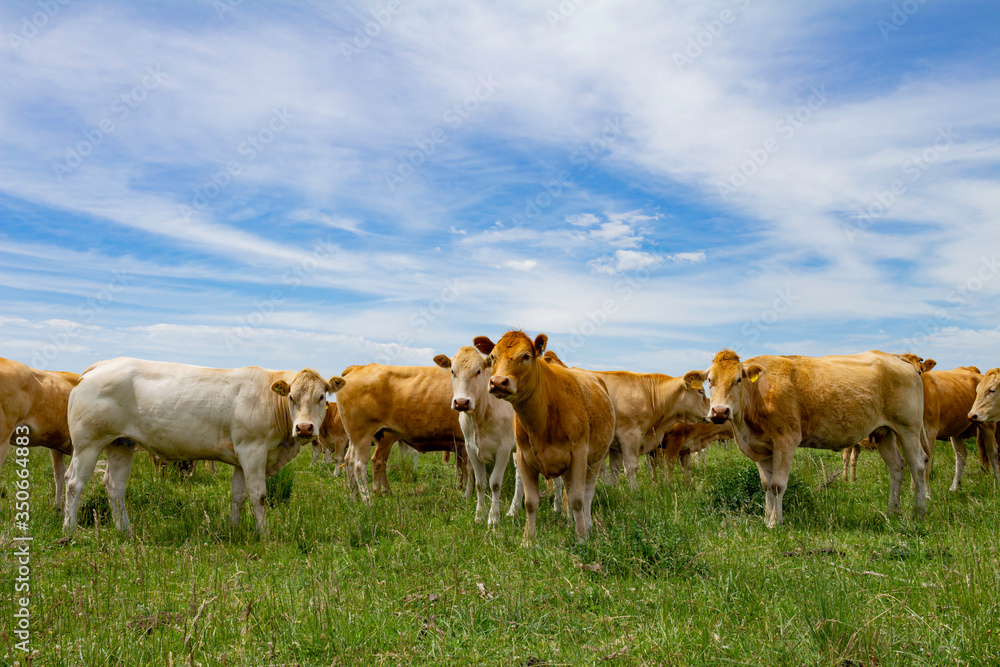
<point x="666" y="578"/>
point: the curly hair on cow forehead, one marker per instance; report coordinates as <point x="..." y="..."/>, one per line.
<point x="726" y="357"/>
<point x="512" y="338"/>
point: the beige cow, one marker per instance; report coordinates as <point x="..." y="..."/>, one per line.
<point x="254" y="419"/>
<point x="777" y="404"/>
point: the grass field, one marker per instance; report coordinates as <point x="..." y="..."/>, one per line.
<point x="667" y="577"/>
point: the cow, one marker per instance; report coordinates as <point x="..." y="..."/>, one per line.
<point x="986" y="410"/>
<point x="412" y="403"/>
<point x="646" y="405"/>
<point x="851" y="454"/>
<point x="33" y="411"/>
<point x="682" y="440"/>
<point x="564" y="422"/>
<point x="948" y="395"/>
<point x="986" y="407"/>
<point x="331" y="443"/>
<point x="486" y="422"/>
<point x="777" y="404"/>
<point x="254" y="419"/>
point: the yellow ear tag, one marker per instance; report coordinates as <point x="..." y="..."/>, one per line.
<point x="697" y="384"/>
<point x="753" y="378"/>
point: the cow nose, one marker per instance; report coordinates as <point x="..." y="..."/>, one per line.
<point x="461" y="404"/>
<point x="498" y="383"/>
<point x="719" y="413"/>
<point x="304" y="430"/>
<point x="973" y="417"/>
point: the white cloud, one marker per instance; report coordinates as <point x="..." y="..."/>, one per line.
<point x="624" y="261"/>
<point x="520" y="264"/>
<point x="687" y="257"/>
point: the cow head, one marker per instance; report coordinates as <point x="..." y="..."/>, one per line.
<point x="470" y="378"/>
<point x="987" y="407"/>
<point x="514" y="361"/>
<point x="692" y="405"/>
<point x="307" y="400"/>
<point x="729" y="381"/>
<point x="921" y="365"/>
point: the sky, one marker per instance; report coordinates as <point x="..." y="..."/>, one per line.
<point x="292" y="184"/>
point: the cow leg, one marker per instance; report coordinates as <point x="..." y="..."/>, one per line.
<point x="575" y="481"/>
<point x="496" y="484"/>
<point x="631" y="444"/>
<point x="590" y="486"/>
<point x="316" y="452"/>
<point x="686" y="466"/>
<point x="466" y="479"/>
<point x="339" y="457"/>
<point x="254" y="472"/>
<point x="558" y="498"/>
<point x="703" y="457"/>
<point x="615" y="464"/>
<point x="780" y="467"/>
<point x="927" y="444"/>
<point x="479" y="469"/>
<point x="988" y="440"/>
<point x="360" y="450"/>
<point x="517" y="502"/>
<point x="120" y="456"/>
<point x="855" y="455"/>
<point x="890" y="454"/>
<point x="961" y="453"/>
<point x="59" y="477"/>
<point x="529" y="479"/>
<point x="764" y="467"/>
<point x="81" y="469"/>
<point x="239" y="496"/>
<point x="916" y="460"/>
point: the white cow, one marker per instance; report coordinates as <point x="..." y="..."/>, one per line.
<point x="251" y="418"/>
<point x="487" y="424"/>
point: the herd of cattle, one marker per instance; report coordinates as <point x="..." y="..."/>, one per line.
<point x="492" y="402"/>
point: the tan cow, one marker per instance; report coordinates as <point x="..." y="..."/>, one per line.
<point x="33" y="407"/>
<point x="777" y="404"/>
<point x="948" y="398"/>
<point x="682" y="440"/>
<point x="563" y="422"/>
<point x="254" y="419"/>
<point x="412" y="403"/>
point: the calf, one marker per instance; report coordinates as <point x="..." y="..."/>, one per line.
<point x="564" y="422"/>
<point x="33" y="412"/>
<point x="680" y="441"/>
<point x="486" y="422"/>
<point x="251" y="418"/>
<point x="777" y="404"/>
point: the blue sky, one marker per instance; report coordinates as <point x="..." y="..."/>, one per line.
<point x="307" y="184"/>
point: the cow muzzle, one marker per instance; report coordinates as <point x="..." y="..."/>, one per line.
<point x="461" y="404"/>
<point x="501" y="386"/>
<point x="720" y="414"/>
<point x="974" y="418"/>
<point x="305" y="430"/>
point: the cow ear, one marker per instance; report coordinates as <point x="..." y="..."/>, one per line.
<point x="483" y="344"/>
<point x="695" y="379"/>
<point x="754" y="371"/>
<point x="335" y="384"/>
<point x="443" y="360"/>
<point x="281" y="387"/>
<point x="928" y="364"/>
<point x="540" y="341"/>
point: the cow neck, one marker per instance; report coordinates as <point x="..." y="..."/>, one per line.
<point x="532" y="408"/>
<point x="754" y="416"/>
<point x="666" y="392"/>
<point x="279" y="406"/>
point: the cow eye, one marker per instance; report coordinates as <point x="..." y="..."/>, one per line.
<point x="478" y="373"/>
<point x="738" y="380"/>
<point x="322" y="398"/>
<point x="526" y="357"/>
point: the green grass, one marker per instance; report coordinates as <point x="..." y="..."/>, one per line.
<point x="667" y="578"/>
